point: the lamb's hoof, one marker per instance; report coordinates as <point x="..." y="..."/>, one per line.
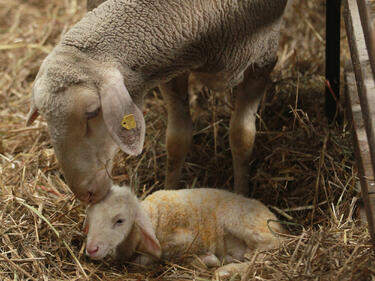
<point x="222" y="274"/>
<point x="206" y="261"/>
<point x="232" y="271"/>
<point x="210" y="260"/>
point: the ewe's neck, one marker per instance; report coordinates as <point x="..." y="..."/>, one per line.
<point x="142" y="36"/>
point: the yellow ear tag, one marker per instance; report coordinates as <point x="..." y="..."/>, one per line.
<point x="128" y="122"/>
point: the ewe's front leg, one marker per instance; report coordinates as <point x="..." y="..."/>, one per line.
<point x="179" y="128"/>
<point x="242" y="128"/>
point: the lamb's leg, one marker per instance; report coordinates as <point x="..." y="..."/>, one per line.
<point x="231" y="269"/>
<point x="242" y="128"/>
<point x="143" y="260"/>
<point x="179" y="128"/>
<point x="210" y="260"/>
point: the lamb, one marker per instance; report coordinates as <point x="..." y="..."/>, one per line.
<point x="90" y="88"/>
<point x="217" y="225"/>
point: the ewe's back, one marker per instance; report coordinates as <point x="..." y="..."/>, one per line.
<point x="166" y="37"/>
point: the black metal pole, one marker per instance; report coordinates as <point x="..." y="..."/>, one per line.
<point x="332" y="91"/>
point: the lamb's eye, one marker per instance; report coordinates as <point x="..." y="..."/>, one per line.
<point x="119" y="221"/>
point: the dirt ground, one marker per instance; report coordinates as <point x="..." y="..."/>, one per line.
<point x="302" y="168"/>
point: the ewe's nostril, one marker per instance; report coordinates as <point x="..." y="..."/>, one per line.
<point x="84" y="197"/>
<point x="90" y="197"/>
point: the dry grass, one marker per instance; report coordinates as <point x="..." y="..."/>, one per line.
<point x="301" y="167"/>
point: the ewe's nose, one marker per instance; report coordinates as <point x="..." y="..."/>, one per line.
<point x="93" y="190"/>
<point x="90" y="251"/>
<point x="85" y="197"/>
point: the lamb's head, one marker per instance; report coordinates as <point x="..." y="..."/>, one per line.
<point x="110" y="221"/>
<point x="85" y="105"/>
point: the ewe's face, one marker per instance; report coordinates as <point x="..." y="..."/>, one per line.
<point x="89" y="114"/>
<point x="84" y="149"/>
<point x="109" y="223"/>
<point x="80" y="138"/>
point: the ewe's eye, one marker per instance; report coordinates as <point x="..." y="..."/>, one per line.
<point x="92" y="114"/>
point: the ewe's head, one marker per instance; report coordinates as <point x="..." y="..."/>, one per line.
<point x="84" y="105"/>
<point x="110" y="221"/>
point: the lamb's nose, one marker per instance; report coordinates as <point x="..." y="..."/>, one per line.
<point x="92" y="251"/>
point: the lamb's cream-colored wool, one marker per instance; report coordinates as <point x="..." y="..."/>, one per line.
<point x="218" y="226"/>
<point x="103" y="66"/>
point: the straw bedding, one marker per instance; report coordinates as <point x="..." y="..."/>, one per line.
<point x="302" y="168"/>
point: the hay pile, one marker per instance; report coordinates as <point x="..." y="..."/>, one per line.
<point x="301" y="167"/>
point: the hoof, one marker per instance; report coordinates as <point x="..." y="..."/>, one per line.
<point x="232" y="271"/>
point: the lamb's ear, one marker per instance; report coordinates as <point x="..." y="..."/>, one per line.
<point x="122" y="117"/>
<point x="148" y="237"/>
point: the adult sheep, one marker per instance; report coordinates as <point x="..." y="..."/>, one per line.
<point x="90" y="88"/>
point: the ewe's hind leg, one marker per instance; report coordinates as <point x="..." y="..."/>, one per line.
<point x="242" y="128"/>
<point x="179" y="128"/>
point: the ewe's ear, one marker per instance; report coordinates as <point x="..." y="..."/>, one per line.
<point x="38" y="94"/>
<point x="33" y="112"/>
<point x="148" y="237"/>
<point x="32" y="115"/>
<point x="122" y="117"/>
